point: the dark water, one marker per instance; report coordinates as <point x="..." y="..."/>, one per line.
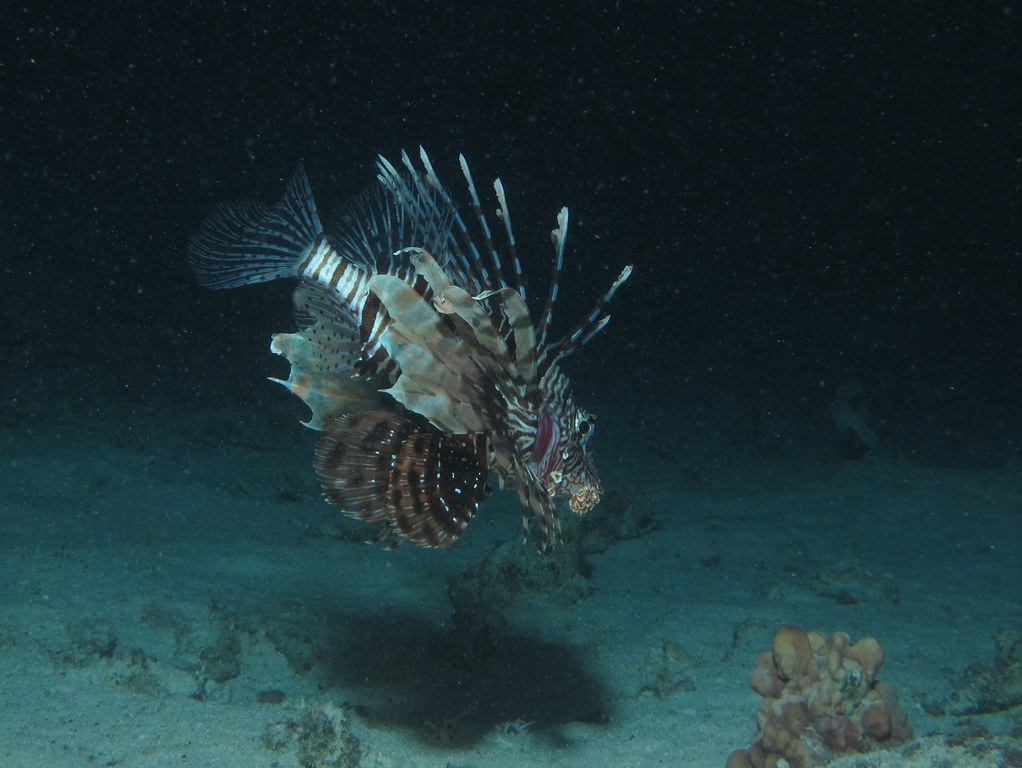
<point x="809" y="192"/>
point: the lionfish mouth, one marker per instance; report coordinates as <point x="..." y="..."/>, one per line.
<point x="584" y="499"/>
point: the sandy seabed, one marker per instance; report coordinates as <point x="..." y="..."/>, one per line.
<point x="183" y="597"/>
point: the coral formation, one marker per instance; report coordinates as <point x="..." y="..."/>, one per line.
<point x="320" y="738"/>
<point x="820" y="698"/>
<point x="512" y="569"/>
<point x="619" y="517"/>
<point x="1002" y="685"/>
<point x="668" y="670"/>
<point x="984" y="689"/>
<point x="87" y="640"/>
<point x="482" y="595"/>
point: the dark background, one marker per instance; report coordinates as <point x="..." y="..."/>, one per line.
<point x="808" y="190"/>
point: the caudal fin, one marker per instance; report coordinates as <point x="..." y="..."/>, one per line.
<point x="249" y="242"/>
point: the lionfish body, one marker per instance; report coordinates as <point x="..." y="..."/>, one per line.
<point x="419" y="361"/>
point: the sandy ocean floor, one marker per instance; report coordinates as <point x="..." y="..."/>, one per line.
<point x="175" y="593"/>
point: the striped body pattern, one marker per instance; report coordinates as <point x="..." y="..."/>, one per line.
<point x="417" y="357"/>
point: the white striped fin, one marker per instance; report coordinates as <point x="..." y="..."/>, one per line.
<point x="505" y="215"/>
<point x="475" y="280"/>
<point x="591" y="325"/>
<point x="558" y="236"/>
<point x="483" y="224"/>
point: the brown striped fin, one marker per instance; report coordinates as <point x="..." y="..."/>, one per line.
<point x="383" y="466"/>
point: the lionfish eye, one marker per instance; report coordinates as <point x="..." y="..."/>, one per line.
<point x="583" y="427"/>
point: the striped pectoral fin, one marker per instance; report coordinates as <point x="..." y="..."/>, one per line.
<point x="423" y="485"/>
<point x="436" y="488"/>
<point x="354" y="459"/>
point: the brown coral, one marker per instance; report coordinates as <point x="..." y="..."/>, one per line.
<point x="820" y="697"/>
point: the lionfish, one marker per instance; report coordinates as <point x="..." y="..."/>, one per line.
<point x="418" y="359"/>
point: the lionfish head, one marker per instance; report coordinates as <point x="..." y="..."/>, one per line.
<point x="559" y="455"/>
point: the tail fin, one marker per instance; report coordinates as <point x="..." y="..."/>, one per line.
<point x="248" y="242"/>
